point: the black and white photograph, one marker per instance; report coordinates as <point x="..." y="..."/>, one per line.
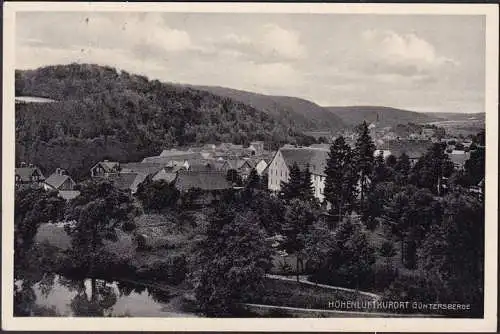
<point x="167" y="162"/>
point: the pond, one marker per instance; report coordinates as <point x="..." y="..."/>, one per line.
<point x="55" y="295"/>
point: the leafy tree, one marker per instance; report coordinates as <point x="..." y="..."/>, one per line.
<point x="475" y="167"/>
<point x="299" y="217"/>
<point x="157" y="195"/>
<point x="340" y="183"/>
<point x="391" y="161"/>
<point x="349" y="260"/>
<point x="387" y="250"/>
<point x="453" y="252"/>
<point x="364" y="149"/>
<point x="430" y="169"/>
<point x="33" y="207"/>
<point x="380" y="197"/>
<point x="294" y="187"/>
<point x="97" y="213"/>
<point x="230" y="262"/>
<point x="412" y="213"/>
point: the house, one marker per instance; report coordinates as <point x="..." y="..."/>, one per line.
<point x="126" y="181"/>
<point x="242" y="166"/>
<point x="279" y="168"/>
<point x="59" y="180"/>
<point x="105" y="168"/>
<point x="28" y="176"/>
<point x="167" y="174"/>
<point x="210" y="184"/>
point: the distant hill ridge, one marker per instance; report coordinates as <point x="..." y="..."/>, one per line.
<point x="383" y="116"/>
<point x="302" y="113"/>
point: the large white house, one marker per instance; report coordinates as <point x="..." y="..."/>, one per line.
<point x="285" y="157"/>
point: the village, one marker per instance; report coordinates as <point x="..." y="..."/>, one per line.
<point x="226" y="165"/>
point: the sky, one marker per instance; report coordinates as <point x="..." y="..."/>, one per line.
<point x="427" y="63"/>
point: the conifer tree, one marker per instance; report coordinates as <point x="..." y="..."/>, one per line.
<point x="364" y="150"/>
<point x="340" y="183"/>
<point x="381" y="172"/>
<point x="307" y="187"/>
<point x="293" y="188"/>
<point x="402" y="168"/>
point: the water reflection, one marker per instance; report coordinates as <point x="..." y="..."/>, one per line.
<point x="54" y="295"/>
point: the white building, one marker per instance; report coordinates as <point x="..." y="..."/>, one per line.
<point x="285" y="157"/>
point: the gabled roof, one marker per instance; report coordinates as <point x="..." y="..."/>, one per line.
<point x="166" y="175"/>
<point x="238" y="163"/>
<point x="141" y="167"/>
<point x="25" y="173"/>
<point x="123" y="181"/>
<point x="108" y="166"/>
<point x="204" y="180"/>
<point x="56" y="180"/>
<point x="314" y="157"/>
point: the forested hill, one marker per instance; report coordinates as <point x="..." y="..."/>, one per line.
<point x="304" y="114"/>
<point x="104" y="113"/>
<point x="353" y="115"/>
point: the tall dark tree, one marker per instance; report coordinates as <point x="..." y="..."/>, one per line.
<point x="294" y="187"/>
<point x="364" y="150"/>
<point x="230" y="262"/>
<point x="402" y="169"/>
<point x="381" y="172"/>
<point x="454" y="252"/>
<point x="253" y="180"/>
<point x="340" y="183"/>
<point x="234" y="177"/>
<point x="307" y="186"/>
<point x="430" y="169"/>
<point x="475" y="167"/>
<point x="299" y="217"/>
<point x="349" y="259"/>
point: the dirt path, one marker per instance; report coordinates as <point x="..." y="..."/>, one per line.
<point x="303" y="279"/>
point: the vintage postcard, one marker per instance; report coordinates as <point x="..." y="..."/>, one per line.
<point x="249" y="167"/>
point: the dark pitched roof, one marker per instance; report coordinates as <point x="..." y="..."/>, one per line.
<point x="25" y="173"/>
<point x="108" y="166"/>
<point x="141" y="167"/>
<point x="123" y="181"/>
<point x="303" y="156"/>
<point x="56" y="180"/>
<point x="166" y="174"/>
<point x="210" y="180"/>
